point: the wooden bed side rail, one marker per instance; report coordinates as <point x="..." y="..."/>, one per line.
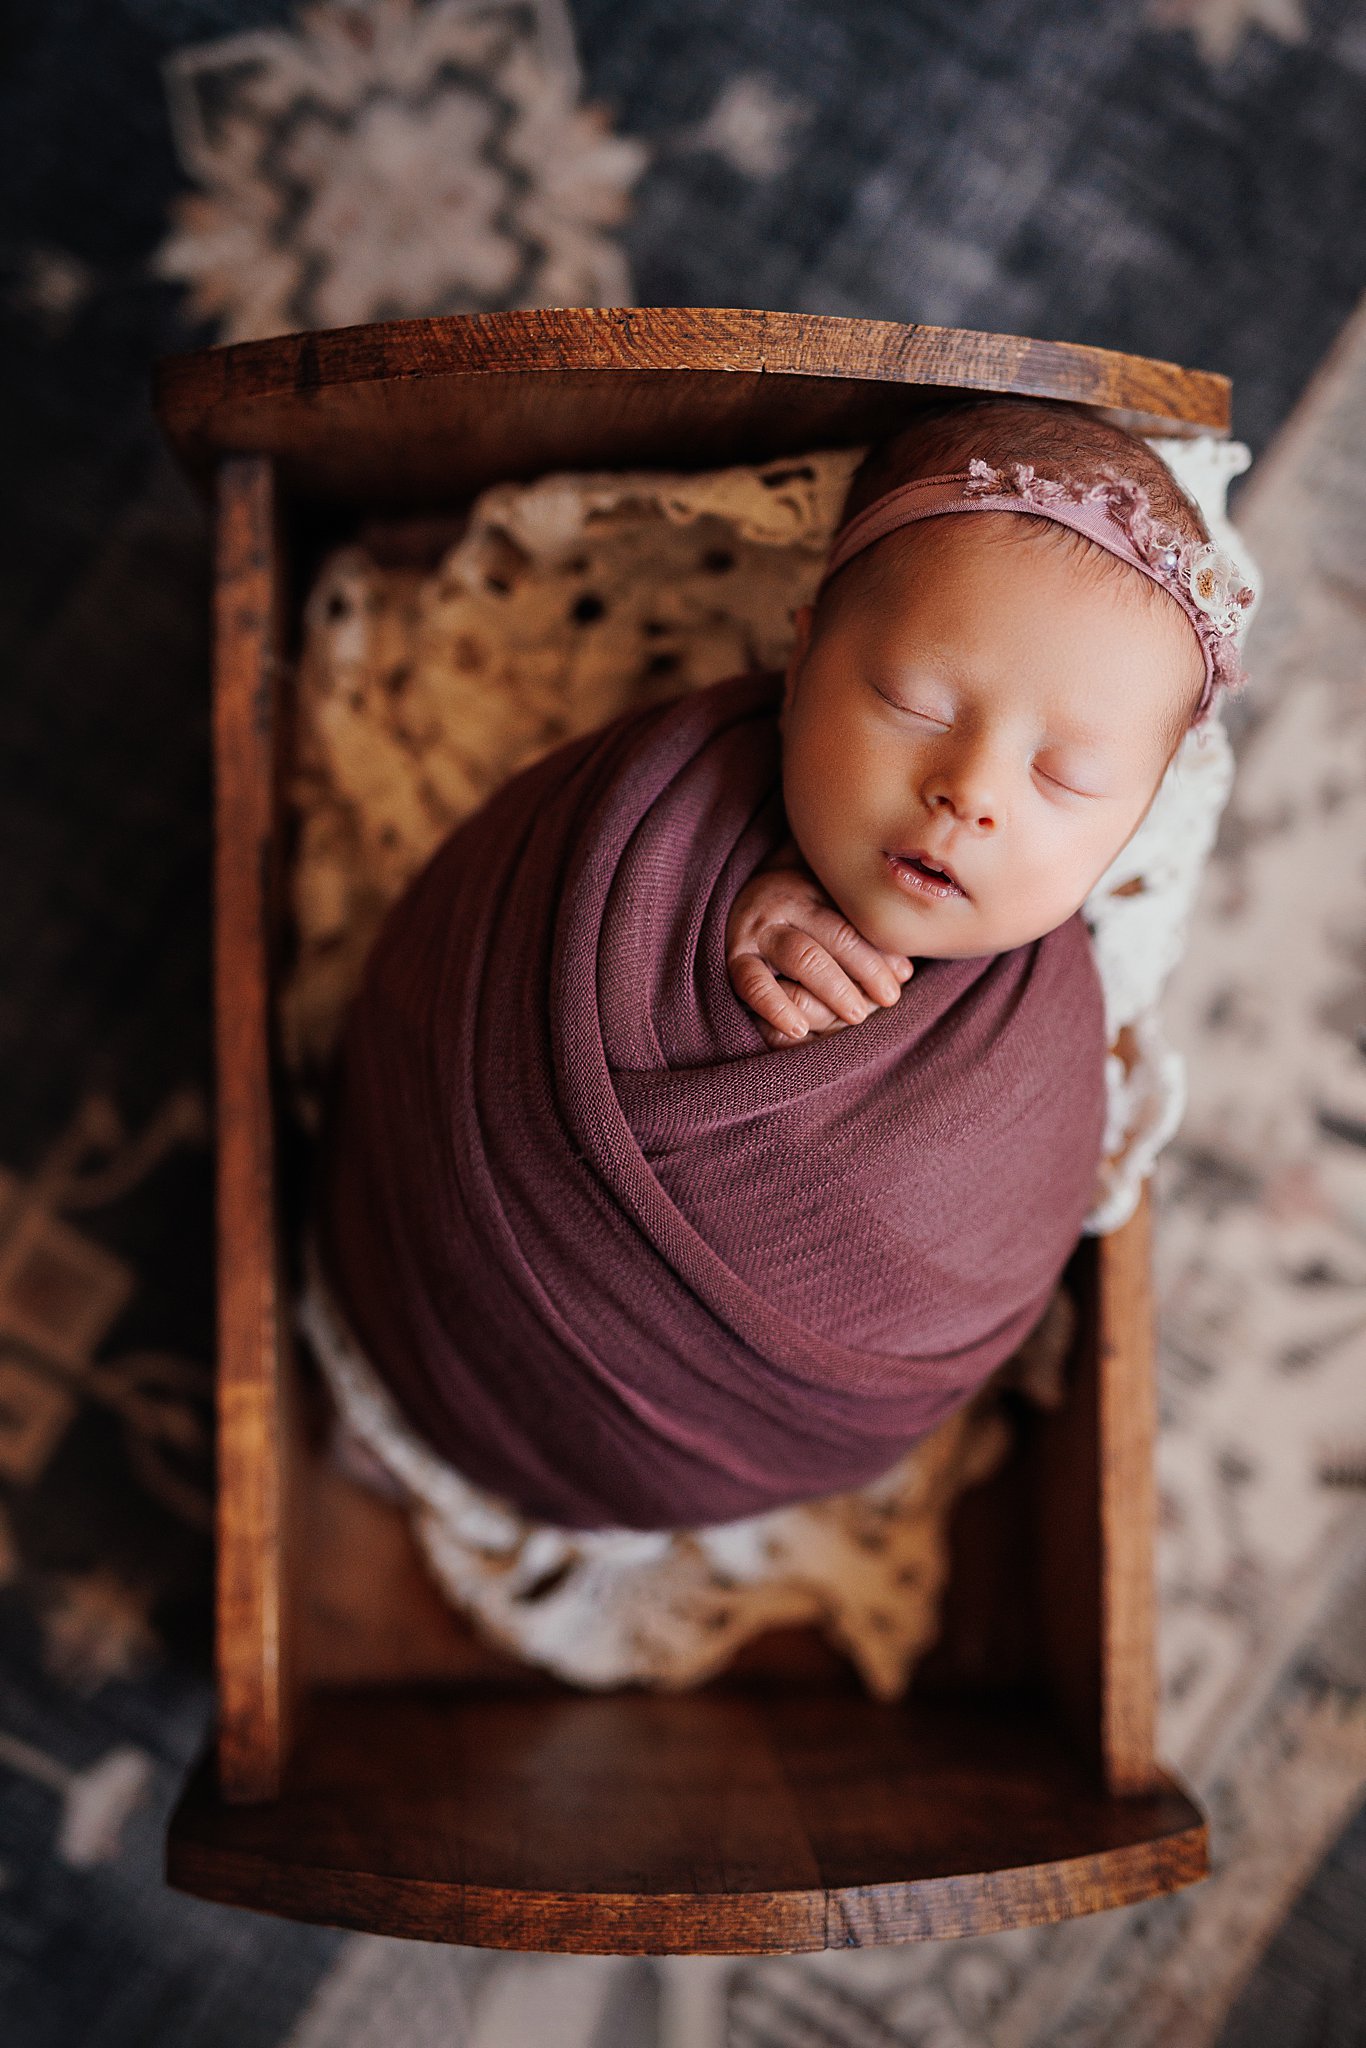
<point x="254" y="1408"/>
<point x="1126" y="1338"/>
<point x="1094" y="1516"/>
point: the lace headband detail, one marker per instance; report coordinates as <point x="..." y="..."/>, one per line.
<point x="1115" y="512"/>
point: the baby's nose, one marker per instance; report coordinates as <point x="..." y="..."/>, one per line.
<point x="974" y="806"/>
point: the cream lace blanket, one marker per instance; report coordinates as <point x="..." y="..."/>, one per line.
<point x="564" y="602"/>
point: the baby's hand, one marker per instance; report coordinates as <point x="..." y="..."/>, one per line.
<point x="783" y="920"/>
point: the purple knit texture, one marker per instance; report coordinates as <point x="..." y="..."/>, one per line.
<point x="619" y="1261"/>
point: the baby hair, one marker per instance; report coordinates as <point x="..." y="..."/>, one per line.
<point x="1059" y="439"/>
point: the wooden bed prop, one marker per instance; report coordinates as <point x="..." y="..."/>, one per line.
<point x="378" y="1767"/>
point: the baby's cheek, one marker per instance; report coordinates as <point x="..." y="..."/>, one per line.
<point x="1037" y="899"/>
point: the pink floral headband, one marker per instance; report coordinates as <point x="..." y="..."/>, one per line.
<point x="1114" y="512"/>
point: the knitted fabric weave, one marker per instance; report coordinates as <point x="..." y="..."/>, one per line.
<point x="617" y="1260"/>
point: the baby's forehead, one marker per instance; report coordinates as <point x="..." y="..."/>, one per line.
<point x="882" y="574"/>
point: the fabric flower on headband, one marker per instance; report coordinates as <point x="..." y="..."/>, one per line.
<point x="1217" y="586"/>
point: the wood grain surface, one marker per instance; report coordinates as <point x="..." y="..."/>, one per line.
<point x="732" y="1821"/>
<point x="1127" y="1455"/>
<point x="254" y="1407"/>
<point x="411" y="413"/>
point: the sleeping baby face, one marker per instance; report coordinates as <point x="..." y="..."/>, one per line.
<point x="997" y="703"/>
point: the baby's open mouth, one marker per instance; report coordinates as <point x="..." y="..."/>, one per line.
<point x="921" y="877"/>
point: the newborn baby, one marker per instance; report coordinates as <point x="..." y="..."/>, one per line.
<point x="631" y="1253"/>
<point x="977" y="715"/>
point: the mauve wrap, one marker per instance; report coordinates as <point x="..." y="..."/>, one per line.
<point x="619" y="1261"/>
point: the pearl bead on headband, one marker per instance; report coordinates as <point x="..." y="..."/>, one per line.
<point x="1114" y="512"/>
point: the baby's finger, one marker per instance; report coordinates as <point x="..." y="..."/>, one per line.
<point x="822" y="1021"/>
<point x="818" y="1015"/>
<point x="777" y="1038"/>
<point x="804" y="959"/>
<point x="758" y="988"/>
<point x="865" y="963"/>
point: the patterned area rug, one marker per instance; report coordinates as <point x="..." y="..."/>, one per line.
<point x="178" y="170"/>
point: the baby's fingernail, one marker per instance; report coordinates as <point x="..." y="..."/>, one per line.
<point x="796" y="1031"/>
<point x="903" y="970"/>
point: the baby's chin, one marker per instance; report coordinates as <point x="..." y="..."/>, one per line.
<point x="979" y="951"/>
<point x="950" y="930"/>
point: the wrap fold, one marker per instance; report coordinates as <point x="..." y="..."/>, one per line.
<point x="617" y="1260"/>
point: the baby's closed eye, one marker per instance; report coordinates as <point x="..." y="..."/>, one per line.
<point x="1081" y="770"/>
<point x="930" y="717"/>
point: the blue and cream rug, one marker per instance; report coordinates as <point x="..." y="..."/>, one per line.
<point x="1186" y="179"/>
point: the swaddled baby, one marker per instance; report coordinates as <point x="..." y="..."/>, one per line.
<point x="627" y="1248"/>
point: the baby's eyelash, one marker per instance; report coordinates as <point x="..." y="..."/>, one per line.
<point x="1071" y="791"/>
<point x="910" y="709"/>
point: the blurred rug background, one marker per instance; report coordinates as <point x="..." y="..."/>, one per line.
<point x="1185" y="179"/>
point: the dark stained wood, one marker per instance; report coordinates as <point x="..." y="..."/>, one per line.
<point x="1095" y="1518"/>
<point x="1065" y="1526"/>
<point x="410" y="413"/>
<point x="254" y="1677"/>
<point x="730" y="1822"/>
<point x="989" y="1610"/>
<point x="1127" y="1382"/>
<point x="368" y="1611"/>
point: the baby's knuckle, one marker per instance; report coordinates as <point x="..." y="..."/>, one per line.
<point x="803" y="955"/>
<point x="845" y="937"/>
